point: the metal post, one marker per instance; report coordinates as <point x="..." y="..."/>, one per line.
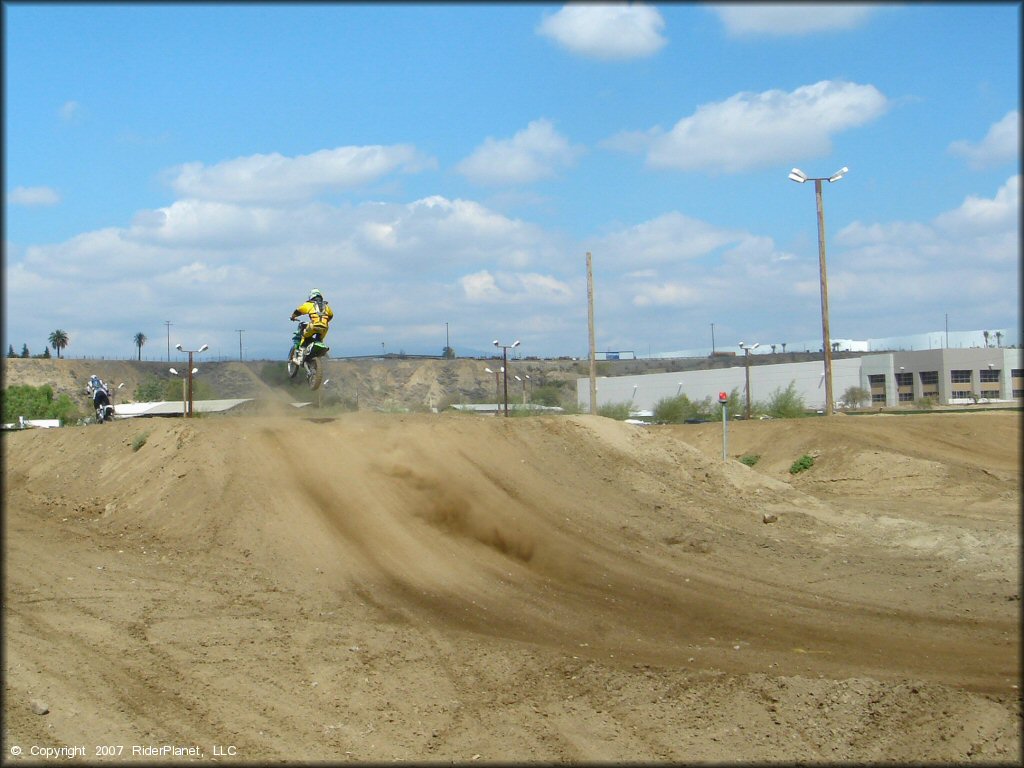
<point x="725" y="429"/>
<point x="240" y="332"/>
<point x="168" y="324"/>
<point x="827" y="346"/>
<point x="712" y="339"/>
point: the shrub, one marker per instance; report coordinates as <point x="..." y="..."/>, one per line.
<point x="37" y="403"/>
<point x="786" y="403"/>
<point x="549" y="395"/>
<point x="750" y="459"/>
<point x="803" y="463"/>
<point x="149" y="390"/>
<point x="139" y="441"/>
<point x="925" y="403"/>
<point x="618" y="411"/>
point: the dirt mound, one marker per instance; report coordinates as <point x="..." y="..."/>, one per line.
<point x="375" y="587"/>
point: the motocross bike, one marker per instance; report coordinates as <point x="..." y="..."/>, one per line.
<point x="308" y="358"/>
<point x="104" y="410"/>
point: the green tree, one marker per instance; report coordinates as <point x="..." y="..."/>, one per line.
<point x="58" y="340"/>
<point x="46" y="353"/>
<point x="448" y="353"/>
<point x="24" y="351"/>
<point x="140" y="339"/>
<point x="854" y="396"/>
<point x="10" y="350"/>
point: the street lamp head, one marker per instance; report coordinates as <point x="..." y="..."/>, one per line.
<point x="178" y="347"/>
<point x="515" y="343"/>
<point x="756" y="345"/>
<point x="496" y="343"/>
<point x="488" y="370"/>
<point x="798" y="176"/>
<point x="838" y="174"/>
<point x="195" y="370"/>
<point x="203" y="348"/>
<point x="172" y="370"/>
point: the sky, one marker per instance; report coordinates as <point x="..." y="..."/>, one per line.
<point x="440" y="172"/>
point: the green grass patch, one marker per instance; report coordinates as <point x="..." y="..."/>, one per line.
<point x="805" y="462"/>
<point x="139" y="441"/>
<point x="750" y="459"/>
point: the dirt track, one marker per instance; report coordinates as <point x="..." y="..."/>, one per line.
<point x="456" y="588"/>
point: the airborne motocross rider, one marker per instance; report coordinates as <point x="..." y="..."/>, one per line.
<point x="320" y="315"/>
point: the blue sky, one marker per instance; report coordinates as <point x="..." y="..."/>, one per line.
<point x="425" y="165"/>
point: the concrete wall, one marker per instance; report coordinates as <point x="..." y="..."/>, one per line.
<point x="644" y="391"/>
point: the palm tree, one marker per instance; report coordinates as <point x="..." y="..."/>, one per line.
<point x="999" y="338"/>
<point x="58" y="340"/>
<point x="140" y="339"/>
<point x="985" y="334"/>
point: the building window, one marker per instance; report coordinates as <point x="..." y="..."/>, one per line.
<point x="962" y="394"/>
<point x="1018" y="393"/>
<point x="992" y="394"/>
<point x="1017" y="373"/>
<point x="929" y="377"/>
<point x="960" y="377"/>
<point x="906" y="397"/>
<point x="989" y="375"/>
<point x="904" y="379"/>
<point x="878" y="397"/>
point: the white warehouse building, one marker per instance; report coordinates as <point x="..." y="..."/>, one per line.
<point x="948" y="376"/>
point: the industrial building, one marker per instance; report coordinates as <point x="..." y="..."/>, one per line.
<point x="946" y="376"/>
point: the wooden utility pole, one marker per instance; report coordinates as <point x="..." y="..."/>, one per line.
<point x="826" y="341"/>
<point x="590" y="328"/>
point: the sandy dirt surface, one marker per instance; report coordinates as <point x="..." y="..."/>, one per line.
<point x="375" y="587"/>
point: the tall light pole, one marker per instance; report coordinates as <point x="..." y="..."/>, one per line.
<point x="168" y="324"/>
<point x="712" y="339"/>
<point x="504" y="359"/>
<point x="497" y="384"/>
<point x="184" y="400"/>
<point x="800" y="177"/>
<point x="523" y="380"/>
<point x="191" y="370"/>
<point x="746" y="360"/>
<point x="240" y="332"/>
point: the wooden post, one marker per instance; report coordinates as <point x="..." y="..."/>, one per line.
<point x="590" y="328"/>
<point x="826" y="341"/>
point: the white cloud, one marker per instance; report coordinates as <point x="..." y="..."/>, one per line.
<point x="275" y="178"/>
<point x="792" y="19"/>
<point x="33" y="196"/>
<point x="514" y="288"/>
<point x="1000" y="145"/>
<point x="536" y="152"/>
<point x="69" y="110"/>
<point x="606" y="31"/>
<point x="757" y="130"/>
<point x="670" y="237"/>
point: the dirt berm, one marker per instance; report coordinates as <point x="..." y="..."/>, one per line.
<point x="374" y="587"/>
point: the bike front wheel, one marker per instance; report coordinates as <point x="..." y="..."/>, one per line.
<point x="314" y="373"/>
